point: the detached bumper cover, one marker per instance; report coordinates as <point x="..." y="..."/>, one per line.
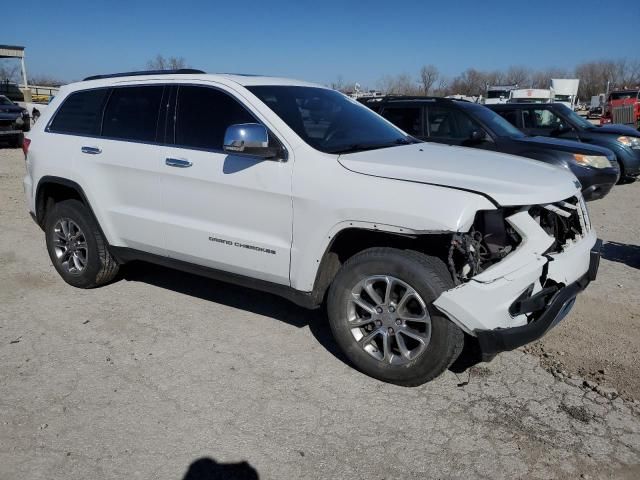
<point x="494" y="341"/>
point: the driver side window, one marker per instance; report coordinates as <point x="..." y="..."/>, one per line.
<point x="542" y="118"/>
<point x="203" y="115"/>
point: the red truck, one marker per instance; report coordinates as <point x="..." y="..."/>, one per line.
<point x="622" y="106"/>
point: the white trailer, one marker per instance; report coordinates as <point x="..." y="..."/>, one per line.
<point x="498" y="94"/>
<point x="532" y="95"/>
<point x="566" y="91"/>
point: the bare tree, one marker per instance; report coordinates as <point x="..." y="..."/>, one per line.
<point x="45" y="81"/>
<point x="470" y="82"/>
<point x="162" y="63"/>
<point x="519" y="75"/>
<point x="402" y="84"/>
<point x="428" y="77"/>
<point x="496" y="78"/>
<point x="338" y="84"/>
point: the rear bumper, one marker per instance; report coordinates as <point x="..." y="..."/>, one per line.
<point x="555" y="306"/>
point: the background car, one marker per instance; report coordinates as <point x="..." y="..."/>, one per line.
<point x="455" y="122"/>
<point x="555" y="120"/>
<point x="14" y="121"/>
<point x="594" y="112"/>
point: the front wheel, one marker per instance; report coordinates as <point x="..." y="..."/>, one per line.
<point x="381" y="314"/>
<point x="76" y="246"/>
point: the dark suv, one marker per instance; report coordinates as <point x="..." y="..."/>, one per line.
<point x="457" y="122"/>
<point x="14" y="121"/>
<point x="557" y="121"/>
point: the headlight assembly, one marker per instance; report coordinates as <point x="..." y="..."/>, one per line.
<point x="595" y="161"/>
<point x="633" y="142"/>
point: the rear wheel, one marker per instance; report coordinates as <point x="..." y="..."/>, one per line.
<point x="76" y="246"/>
<point x="381" y="314"/>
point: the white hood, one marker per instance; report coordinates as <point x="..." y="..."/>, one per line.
<point x="507" y="179"/>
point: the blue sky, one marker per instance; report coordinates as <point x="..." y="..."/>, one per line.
<point x="320" y="40"/>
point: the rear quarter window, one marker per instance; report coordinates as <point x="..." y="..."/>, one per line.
<point x="80" y="113"/>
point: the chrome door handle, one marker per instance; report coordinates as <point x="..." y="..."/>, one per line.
<point x="91" y="150"/>
<point x="178" y="162"/>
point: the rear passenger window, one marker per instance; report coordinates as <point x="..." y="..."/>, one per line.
<point x="510" y="116"/>
<point x="441" y="122"/>
<point x="132" y="113"/>
<point x="203" y="115"/>
<point x="408" y="119"/>
<point x="80" y="113"/>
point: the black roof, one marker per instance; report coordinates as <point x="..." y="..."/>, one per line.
<point x="144" y="72"/>
<point x="502" y="106"/>
<point x="377" y="102"/>
<point x="399" y="98"/>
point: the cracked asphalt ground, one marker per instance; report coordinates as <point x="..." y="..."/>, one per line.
<point x="141" y="378"/>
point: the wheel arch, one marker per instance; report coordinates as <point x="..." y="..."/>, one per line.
<point x="51" y="190"/>
<point x="354" y="237"/>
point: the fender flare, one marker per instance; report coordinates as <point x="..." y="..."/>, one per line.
<point x="65" y="182"/>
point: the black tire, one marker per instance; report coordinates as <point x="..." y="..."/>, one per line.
<point x="429" y="277"/>
<point x="17" y="141"/>
<point x="100" y="267"/>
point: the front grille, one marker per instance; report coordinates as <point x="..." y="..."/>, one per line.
<point x="625" y="114"/>
<point x="566" y="221"/>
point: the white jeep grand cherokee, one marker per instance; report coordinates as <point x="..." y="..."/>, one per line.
<point x="296" y="189"/>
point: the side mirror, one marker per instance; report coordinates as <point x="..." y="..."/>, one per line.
<point x="248" y="139"/>
<point x="477" y="136"/>
<point x="560" y="129"/>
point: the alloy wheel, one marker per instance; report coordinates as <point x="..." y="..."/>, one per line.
<point x="389" y="319"/>
<point x="70" y="246"/>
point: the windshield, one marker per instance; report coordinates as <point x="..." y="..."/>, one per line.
<point x="328" y="120"/>
<point x="498" y="93"/>
<point x="563" y="98"/>
<point x="623" y="95"/>
<point x="5" y="101"/>
<point x="574" y="117"/>
<point x="495" y="123"/>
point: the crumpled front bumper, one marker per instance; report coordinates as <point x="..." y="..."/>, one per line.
<point x="484" y="306"/>
<point x="557" y="307"/>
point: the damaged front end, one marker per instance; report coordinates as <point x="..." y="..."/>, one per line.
<point x="490" y="240"/>
<point x="512" y="268"/>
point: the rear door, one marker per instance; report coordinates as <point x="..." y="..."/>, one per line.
<point x="223" y="211"/>
<point x="116" y="157"/>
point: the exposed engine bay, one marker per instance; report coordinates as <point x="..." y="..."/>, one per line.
<point x="490" y="239"/>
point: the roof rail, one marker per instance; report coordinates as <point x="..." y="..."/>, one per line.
<point x="388" y="98"/>
<point x="144" y="72"/>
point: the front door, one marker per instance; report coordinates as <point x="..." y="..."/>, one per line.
<point x="224" y="211"/>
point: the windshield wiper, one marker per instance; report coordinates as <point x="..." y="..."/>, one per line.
<point x="361" y="147"/>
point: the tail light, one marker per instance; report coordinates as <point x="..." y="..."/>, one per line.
<point x="25" y="146"/>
